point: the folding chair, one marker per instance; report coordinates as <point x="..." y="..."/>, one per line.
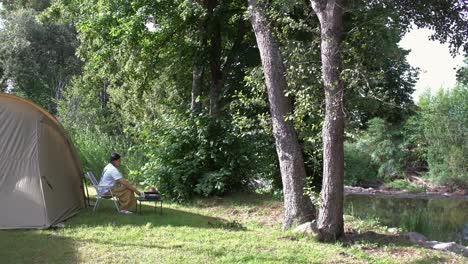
<point x="102" y="191"/>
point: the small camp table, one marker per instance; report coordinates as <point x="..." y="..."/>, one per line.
<point x="150" y="199"/>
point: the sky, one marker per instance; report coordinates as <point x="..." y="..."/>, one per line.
<point x="437" y="66"/>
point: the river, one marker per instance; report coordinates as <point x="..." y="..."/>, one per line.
<point x="438" y="218"/>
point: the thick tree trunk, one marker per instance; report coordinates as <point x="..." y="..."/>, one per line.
<point x="298" y="207"/>
<point x="330" y="220"/>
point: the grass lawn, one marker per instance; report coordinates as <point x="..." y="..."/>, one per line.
<point x="240" y="228"/>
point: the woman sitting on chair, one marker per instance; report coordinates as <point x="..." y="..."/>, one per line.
<point x="122" y="189"/>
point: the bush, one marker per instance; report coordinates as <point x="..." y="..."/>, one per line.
<point x="375" y="154"/>
<point x="442" y="123"/>
<point x="358" y="164"/>
<point x="385" y="148"/>
<point x="403" y="184"/>
<point x="197" y="155"/>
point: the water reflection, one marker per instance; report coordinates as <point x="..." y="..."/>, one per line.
<point x="441" y="219"/>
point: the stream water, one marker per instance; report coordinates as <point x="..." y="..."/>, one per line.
<point x="441" y="219"/>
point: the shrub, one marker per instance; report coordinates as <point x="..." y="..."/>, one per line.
<point x="197" y="155"/>
<point x="443" y="120"/>
<point x="403" y="184"/>
<point x="358" y="164"/>
<point x="384" y="146"/>
<point x="375" y="154"/>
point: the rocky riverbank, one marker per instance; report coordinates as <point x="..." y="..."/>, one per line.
<point x="403" y="194"/>
<point x="444" y="246"/>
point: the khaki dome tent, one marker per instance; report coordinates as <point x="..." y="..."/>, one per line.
<point x="40" y="182"/>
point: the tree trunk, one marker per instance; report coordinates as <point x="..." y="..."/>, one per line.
<point x="198" y="69"/>
<point x="330" y="220"/>
<point x="217" y="82"/>
<point x="298" y="207"/>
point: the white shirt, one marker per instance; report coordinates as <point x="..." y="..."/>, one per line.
<point x="110" y="175"/>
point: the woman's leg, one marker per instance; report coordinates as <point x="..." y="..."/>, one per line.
<point x="125" y="196"/>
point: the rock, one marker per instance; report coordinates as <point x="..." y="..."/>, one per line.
<point x="393" y="230"/>
<point x="430" y="244"/>
<point x="260" y="184"/>
<point x="416" y="237"/>
<point x="444" y="246"/>
<point x="450" y="246"/>
<point x="59" y="225"/>
<point x="309" y="228"/>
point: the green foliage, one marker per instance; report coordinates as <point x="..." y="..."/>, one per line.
<point x="83" y="107"/>
<point x="94" y="149"/>
<point x="379" y="80"/>
<point x="37" y="58"/>
<point x="196" y="155"/>
<point x="384" y="146"/>
<point x="37" y="5"/>
<point x="403" y="184"/>
<point x="359" y="166"/>
<point x="376" y="154"/>
<point x="442" y="123"/>
<point x="462" y="73"/>
<point x="446" y="18"/>
<point x="139" y="56"/>
<point x="436" y="135"/>
<point x="136" y="80"/>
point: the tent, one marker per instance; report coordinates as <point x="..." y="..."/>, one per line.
<point x="40" y="174"/>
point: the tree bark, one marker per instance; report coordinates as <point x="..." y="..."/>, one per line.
<point x="198" y="69"/>
<point x="217" y="81"/>
<point x="330" y="220"/>
<point x="298" y="207"/>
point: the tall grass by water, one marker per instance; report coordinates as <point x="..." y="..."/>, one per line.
<point x="438" y="219"/>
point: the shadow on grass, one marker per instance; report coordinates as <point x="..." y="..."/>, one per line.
<point x="431" y="259"/>
<point x="36" y="246"/>
<point x="236" y="199"/>
<point x="372" y="242"/>
<point x="370" y="237"/>
<point x="107" y="214"/>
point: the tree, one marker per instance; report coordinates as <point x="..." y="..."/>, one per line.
<point x="198" y="69"/>
<point x="38" y="5"/>
<point x="330" y="219"/>
<point x="378" y="79"/>
<point x="298" y="207"/>
<point x="38" y="58"/>
<point x="221" y="59"/>
<point x="446" y="17"/>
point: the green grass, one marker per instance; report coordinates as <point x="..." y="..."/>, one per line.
<point x="240" y="228"/>
<point x="403" y="184"/>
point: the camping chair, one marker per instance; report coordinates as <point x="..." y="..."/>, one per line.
<point x="102" y="191"/>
